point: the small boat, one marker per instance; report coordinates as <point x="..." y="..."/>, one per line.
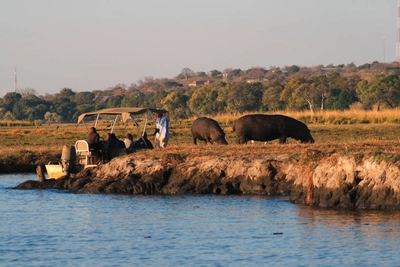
<point x="78" y="157"/>
<point x="55" y="170"/>
<point x="59" y="169"/>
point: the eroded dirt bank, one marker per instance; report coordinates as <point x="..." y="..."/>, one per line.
<point x="336" y="181"/>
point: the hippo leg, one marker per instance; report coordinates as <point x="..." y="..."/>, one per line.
<point x="195" y="140"/>
<point x="282" y="140"/>
<point x="241" y="140"/>
<point x="237" y="140"/>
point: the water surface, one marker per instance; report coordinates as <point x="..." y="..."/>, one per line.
<point x="58" y="228"/>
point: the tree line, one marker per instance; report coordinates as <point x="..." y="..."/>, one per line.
<point x="292" y="88"/>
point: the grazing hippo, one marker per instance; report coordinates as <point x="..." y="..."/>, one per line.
<point x="207" y="130"/>
<point x="260" y="127"/>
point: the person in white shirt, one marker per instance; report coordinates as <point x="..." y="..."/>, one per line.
<point x="162" y="130"/>
<point x="128" y="141"/>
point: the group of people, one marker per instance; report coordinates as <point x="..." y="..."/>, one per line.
<point x="111" y="144"/>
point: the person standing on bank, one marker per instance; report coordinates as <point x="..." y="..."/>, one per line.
<point x="162" y="130"/>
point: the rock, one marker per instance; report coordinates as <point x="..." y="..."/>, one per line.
<point x="333" y="181"/>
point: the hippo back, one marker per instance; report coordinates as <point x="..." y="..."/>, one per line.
<point x="261" y="127"/>
<point x="208" y="130"/>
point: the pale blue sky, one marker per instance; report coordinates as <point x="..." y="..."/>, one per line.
<point x="91" y="45"/>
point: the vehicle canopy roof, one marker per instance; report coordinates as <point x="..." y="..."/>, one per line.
<point x="124" y="113"/>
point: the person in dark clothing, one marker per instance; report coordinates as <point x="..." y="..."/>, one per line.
<point x="112" y="144"/>
<point x="143" y="143"/>
<point x="93" y="140"/>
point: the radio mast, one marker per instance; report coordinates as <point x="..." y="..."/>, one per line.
<point x="398" y="36"/>
<point x="384" y="48"/>
<point x="15" y="78"/>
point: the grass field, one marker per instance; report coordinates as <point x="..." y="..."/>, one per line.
<point x="357" y="133"/>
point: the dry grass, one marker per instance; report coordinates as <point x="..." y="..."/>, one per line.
<point x="375" y="136"/>
<point x="328" y="117"/>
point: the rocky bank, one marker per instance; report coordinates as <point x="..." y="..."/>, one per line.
<point x="334" y="181"/>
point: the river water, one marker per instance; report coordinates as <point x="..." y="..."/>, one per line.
<point x="58" y="228"/>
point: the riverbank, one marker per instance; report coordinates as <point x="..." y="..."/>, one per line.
<point x="26" y="161"/>
<point x="23" y="148"/>
<point x="323" y="179"/>
<point x="349" y="166"/>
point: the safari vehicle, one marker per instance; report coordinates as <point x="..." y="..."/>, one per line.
<point x="78" y="157"/>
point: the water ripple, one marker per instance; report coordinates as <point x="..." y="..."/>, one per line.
<point x="57" y="228"/>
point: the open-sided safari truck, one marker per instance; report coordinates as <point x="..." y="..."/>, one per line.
<point x="78" y="157"/>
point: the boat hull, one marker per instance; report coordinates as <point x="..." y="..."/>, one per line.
<point x="55" y="170"/>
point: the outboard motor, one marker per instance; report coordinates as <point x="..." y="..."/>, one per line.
<point x="68" y="159"/>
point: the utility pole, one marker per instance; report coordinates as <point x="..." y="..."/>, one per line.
<point x="15" y="78"/>
<point x="384" y="47"/>
<point x="398" y="36"/>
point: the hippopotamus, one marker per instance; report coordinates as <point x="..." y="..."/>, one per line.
<point x="261" y="127"/>
<point x="207" y="130"/>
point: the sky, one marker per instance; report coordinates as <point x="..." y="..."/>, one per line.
<point x="91" y="45"/>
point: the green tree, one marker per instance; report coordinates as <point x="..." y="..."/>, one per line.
<point x="10" y="99"/>
<point x="292" y="94"/>
<point x="215" y="73"/>
<point x="52" y="117"/>
<point x="64" y="108"/>
<point x="66" y="93"/>
<point x="154" y="100"/>
<point x="83" y="98"/>
<point x="271" y="97"/>
<point x="84" y="102"/>
<point x="175" y="103"/>
<point x="205" y="99"/>
<point x="115" y="101"/>
<point x="307" y="92"/>
<point x="256" y="73"/>
<point x="342" y="92"/>
<point x="172" y="84"/>
<point x="382" y="90"/>
<point x="9" y="116"/>
<point x="135" y="99"/>
<point x="242" y="96"/>
<point x="186" y="73"/>
<point x="30" y="108"/>
<point x="201" y="74"/>
<point x="84" y="108"/>
<point x="27" y="92"/>
<point x="320" y="89"/>
<point x="292" y="69"/>
<point x="19" y="110"/>
<point x="231" y="74"/>
<point x="340" y="99"/>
